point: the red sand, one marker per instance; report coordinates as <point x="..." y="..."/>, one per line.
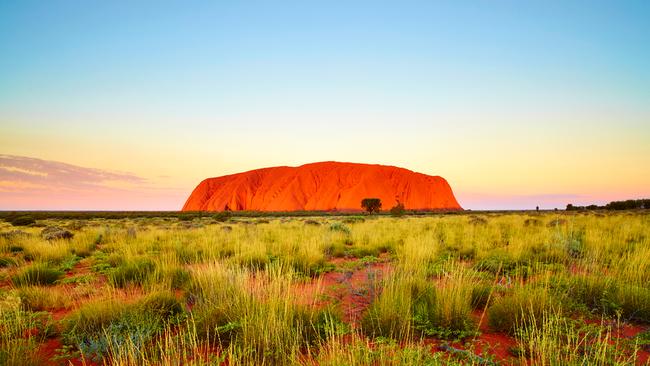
<point x="322" y="186"/>
<point x="353" y="289"/>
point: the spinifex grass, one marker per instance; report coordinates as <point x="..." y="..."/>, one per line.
<point x="198" y="291"/>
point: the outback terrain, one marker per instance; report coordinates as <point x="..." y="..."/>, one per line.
<point x="458" y="289"/>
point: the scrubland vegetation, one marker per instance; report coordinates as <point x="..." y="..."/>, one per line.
<point x="469" y="289"/>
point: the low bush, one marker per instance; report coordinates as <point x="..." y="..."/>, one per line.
<point x="22" y="220"/>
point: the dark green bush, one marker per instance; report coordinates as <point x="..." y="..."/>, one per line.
<point x="371" y="205"/>
<point x="22" y="220"/>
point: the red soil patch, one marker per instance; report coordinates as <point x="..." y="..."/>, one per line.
<point x="619" y="329"/>
<point x="48" y="351"/>
<point x="353" y="290"/>
<point x="494" y="343"/>
<point x="82" y="268"/>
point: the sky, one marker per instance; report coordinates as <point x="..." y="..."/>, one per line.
<point x="129" y="104"/>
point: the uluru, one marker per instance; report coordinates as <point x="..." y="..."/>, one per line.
<point x="324" y="186"/>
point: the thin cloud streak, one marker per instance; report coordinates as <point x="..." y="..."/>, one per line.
<point x="34" y="184"/>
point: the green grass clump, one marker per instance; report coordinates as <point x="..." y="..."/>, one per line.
<point x="360" y="352"/>
<point x="606" y="296"/>
<point x="635" y="303"/>
<point x="445" y="310"/>
<point x="409" y="303"/>
<point x="598" y="293"/>
<point x="37" y="298"/>
<point x="100" y="328"/>
<point x="7" y="262"/>
<point x="37" y="274"/>
<point x="556" y="340"/>
<point x="133" y="272"/>
<point x="482" y="295"/>
<point x="525" y="304"/>
<point x="340" y="227"/>
<point x="390" y="315"/>
<point x="21" y="332"/>
<point x="163" y="305"/>
<point x="179" y="278"/>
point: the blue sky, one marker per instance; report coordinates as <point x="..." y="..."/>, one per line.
<point x="508" y="100"/>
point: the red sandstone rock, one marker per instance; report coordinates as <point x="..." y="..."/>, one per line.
<point x="322" y="186"/>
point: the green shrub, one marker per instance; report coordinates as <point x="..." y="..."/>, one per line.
<point x="22" y="220"/>
<point x="37" y="274"/>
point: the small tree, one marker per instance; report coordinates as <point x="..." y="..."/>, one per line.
<point x="398" y="209"/>
<point x="371" y="204"/>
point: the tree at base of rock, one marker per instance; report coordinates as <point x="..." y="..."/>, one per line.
<point x="371" y="205"/>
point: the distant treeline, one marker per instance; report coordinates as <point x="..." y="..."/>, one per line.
<point x="11" y="216"/>
<point x="614" y="205"/>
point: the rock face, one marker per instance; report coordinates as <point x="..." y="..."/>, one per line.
<point x="322" y="186"/>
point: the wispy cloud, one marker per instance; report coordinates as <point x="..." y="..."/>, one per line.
<point x="21" y="171"/>
<point x="30" y="183"/>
